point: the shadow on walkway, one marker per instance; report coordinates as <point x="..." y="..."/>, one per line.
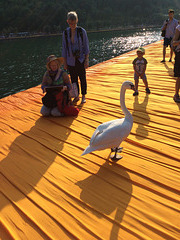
<point x="108" y="190"/>
<point x="30" y="156"/>
<point x="141" y="117"/>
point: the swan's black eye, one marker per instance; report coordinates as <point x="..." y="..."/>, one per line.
<point x="132" y="85"/>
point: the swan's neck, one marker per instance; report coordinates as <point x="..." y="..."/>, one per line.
<point x="122" y="103"/>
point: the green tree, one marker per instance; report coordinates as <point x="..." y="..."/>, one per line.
<point x="50" y="15"/>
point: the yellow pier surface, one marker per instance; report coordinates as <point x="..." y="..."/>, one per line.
<point x="48" y="191"/>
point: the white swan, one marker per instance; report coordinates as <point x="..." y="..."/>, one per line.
<point x="111" y="134"/>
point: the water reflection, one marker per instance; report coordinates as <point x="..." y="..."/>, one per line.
<point x="23" y="61"/>
<point x="111" y="44"/>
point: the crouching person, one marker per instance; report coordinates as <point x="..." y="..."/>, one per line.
<point x="55" y="83"/>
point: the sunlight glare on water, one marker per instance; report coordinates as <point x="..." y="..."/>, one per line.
<point x="105" y="49"/>
<point x="23" y="61"/>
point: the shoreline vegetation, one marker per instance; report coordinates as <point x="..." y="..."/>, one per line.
<point x="28" y="35"/>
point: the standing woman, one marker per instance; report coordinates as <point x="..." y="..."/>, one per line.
<point x="176" y="44"/>
<point x="75" y="51"/>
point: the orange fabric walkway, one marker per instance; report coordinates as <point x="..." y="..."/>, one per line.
<point x="48" y="191"/>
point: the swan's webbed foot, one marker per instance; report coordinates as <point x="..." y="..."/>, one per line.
<point x="115" y="157"/>
<point x="117" y="149"/>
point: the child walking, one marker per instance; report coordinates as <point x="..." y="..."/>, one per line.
<point x="139" y="65"/>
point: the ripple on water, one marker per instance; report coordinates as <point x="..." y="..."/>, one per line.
<point x="23" y="61"/>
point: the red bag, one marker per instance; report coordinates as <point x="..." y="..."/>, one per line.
<point x="63" y="105"/>
<point x="70" y="111"/>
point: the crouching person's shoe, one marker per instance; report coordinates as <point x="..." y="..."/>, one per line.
<point x="56" y="113"/>
<point x="45" y="111"/>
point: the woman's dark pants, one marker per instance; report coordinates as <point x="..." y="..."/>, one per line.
<point x="78" y="71"/>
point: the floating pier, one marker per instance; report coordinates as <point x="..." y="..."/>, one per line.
<point x="48" y="191"/>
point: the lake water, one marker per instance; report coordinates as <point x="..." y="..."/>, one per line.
<point x="23" y="60"/>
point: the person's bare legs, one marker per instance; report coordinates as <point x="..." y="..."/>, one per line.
<point x="145" y="82"/>
<point x="164" y="52"/>
<point x="177" y="87"/>
<point x="136" y="80"/>
<point x="146" y="85"/>
<point x="136" y="85"/>
<point x="171" y="54"/>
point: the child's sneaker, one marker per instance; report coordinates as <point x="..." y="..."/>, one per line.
<point x="135" y="93"/>
<point x="176" y="98"/>
<point x="148" y="90"/>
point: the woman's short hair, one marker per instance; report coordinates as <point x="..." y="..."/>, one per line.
<point x="72" y="16"/>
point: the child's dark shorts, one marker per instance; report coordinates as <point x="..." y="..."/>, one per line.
<point x="177" y="65"/>
<point x="136" y="77"/>
<point x="167" y="42"/>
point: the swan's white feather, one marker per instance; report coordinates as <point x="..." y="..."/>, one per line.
<point x="110" y="134"/>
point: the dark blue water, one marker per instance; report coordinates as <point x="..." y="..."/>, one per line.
<point x="23" y="61"/>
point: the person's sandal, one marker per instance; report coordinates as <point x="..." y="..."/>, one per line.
<point x="135" y="93"/>
<point x="148" y="90"/>
<point x="176" y="98"/>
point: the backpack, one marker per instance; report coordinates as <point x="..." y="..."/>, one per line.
<point x="49" y="100"/>
<point x="163" y="33"/>
<point x="79" y="33"/>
